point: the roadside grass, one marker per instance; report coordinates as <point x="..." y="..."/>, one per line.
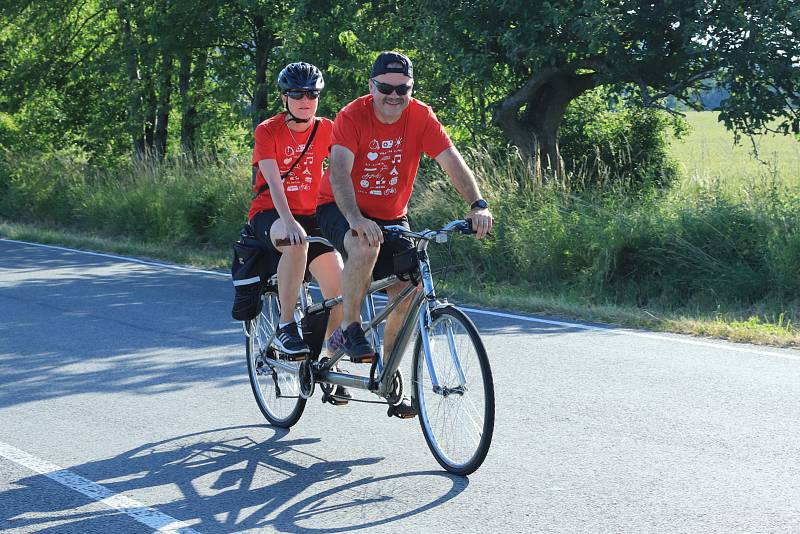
<point x="460" y="287"/>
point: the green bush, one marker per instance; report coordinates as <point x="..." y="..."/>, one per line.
<point x="627" y="145"/>
<point x="201" y="203"/>
<point x="45" y="187"/>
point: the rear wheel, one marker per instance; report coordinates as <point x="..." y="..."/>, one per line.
<point x="456" y="411"/>
<point x="277" y="391"/>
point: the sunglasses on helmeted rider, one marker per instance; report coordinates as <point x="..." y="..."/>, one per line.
<point x="387" y="88"/>
<point x="298" y="95"/>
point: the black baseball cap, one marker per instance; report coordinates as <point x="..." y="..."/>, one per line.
<point x="387" y="58"/>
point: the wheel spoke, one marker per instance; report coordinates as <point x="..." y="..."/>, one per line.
<point x="283" y="410"/>
<point x="457" y="421"/>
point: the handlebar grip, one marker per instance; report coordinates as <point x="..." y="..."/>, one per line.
<point x="469" y="229"/>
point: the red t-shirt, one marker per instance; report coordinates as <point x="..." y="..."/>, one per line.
<point x="275" y="141"/>
<point x="386" y="155"/>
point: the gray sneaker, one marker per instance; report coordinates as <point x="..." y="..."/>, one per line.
<point x="354" y="342"/>
<point x="288" y="341"/>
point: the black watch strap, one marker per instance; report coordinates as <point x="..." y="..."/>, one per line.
<point x="479" y="204"/>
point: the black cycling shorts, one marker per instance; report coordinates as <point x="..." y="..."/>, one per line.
<point x="262" y="223"/>
<point x="334" y="227"/>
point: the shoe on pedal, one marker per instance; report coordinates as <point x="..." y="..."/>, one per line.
<point x="354" y="342"/>
<point x="341" y="396"/>
<point x="288" y="341"/>
<point x="404" y="410"/>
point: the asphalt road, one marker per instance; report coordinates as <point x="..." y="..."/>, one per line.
<point x="125" y="407"/>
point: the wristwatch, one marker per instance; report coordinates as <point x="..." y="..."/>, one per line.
<point x="479" y="204"/>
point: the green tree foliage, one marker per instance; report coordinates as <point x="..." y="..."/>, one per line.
<point x="541" y="57"/>
<point x="117" y="77"/>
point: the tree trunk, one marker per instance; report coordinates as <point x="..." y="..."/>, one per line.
<point x="162" y="116"/>
<point x="135" y="107"/>
<point x="190" y="84"/>
<point x="544" y="98"/>
<point x="150" y="105"/>
<point x="264" y="41"/>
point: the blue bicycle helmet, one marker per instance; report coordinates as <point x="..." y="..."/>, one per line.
<point x="300" y="76"/>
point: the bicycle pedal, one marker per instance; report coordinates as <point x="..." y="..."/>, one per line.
<point x="293" y="357"/>
<point x="336" y="400"/>
<point x="402" y="412"/>
<point x="366" y="358"/>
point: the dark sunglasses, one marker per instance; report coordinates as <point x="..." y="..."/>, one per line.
<point x="298" y="95"/>
<point x="387" y="88"/>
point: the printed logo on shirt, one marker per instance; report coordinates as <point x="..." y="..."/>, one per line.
<point x="300" y="179"/>
<point x="381" y="170"/>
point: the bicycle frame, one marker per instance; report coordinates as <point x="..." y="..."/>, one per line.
<point x="417" y="320"/>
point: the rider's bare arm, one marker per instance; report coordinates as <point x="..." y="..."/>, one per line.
<point x="269" y="168"/>
<point x="341" y="161"/>
<point x="464" y="181"/>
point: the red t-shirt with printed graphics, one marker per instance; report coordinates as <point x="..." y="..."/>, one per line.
<point x="301" y="186"/>
<point x="386" y="155"/>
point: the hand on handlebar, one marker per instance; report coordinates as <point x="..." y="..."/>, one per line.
<point x="481" y="221"/>
<point x="367" y="229"/>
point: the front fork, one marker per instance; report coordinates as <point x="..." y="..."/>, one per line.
<point x="425" y="325"/>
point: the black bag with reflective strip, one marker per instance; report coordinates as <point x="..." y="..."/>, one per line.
<point x="251" y="268"/>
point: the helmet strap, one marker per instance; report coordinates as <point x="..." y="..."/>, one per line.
<point x="291" y="115"/>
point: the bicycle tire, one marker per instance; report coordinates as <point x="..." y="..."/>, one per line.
<point x="448" y="414"/>
<point x="285" y="410"/>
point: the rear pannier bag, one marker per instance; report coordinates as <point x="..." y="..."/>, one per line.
<point x="250" y="270"/>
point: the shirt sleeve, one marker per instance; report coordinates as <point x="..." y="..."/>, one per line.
<point x="434" y="139"/>
<point x="265" y="144"/>
<point x="345" y="132"/>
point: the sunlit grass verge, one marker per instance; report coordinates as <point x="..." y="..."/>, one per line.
<point x="707" y="260"/>
<point x="733" y="325"/>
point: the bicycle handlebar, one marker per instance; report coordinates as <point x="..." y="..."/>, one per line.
<point x="284" y="241"/>
<point x="463" y="226"/>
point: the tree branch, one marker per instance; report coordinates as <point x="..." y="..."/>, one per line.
<point x="520" y="97"/>
<point x="100" y="40"/>
<point x="80" y="29"/>
<point x="702" y="75"/>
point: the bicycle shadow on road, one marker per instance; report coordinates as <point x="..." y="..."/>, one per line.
<point x="232" y="479"/>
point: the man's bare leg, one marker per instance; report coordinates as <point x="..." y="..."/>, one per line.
<point x="356" y="277"/>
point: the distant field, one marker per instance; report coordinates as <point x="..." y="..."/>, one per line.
<point x="707" y="154"/>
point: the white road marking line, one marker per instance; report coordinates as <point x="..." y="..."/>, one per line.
<point x="124" y="258"/>
<point x="625" y="332"/>
<point x="146" y="515"/>
<point x="609" y="330"/>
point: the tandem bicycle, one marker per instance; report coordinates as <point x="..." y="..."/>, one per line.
<point x="451" y="383"/>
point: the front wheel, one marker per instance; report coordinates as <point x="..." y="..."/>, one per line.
<point x="454" y="392"/>
<point x="276" y="390"/>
